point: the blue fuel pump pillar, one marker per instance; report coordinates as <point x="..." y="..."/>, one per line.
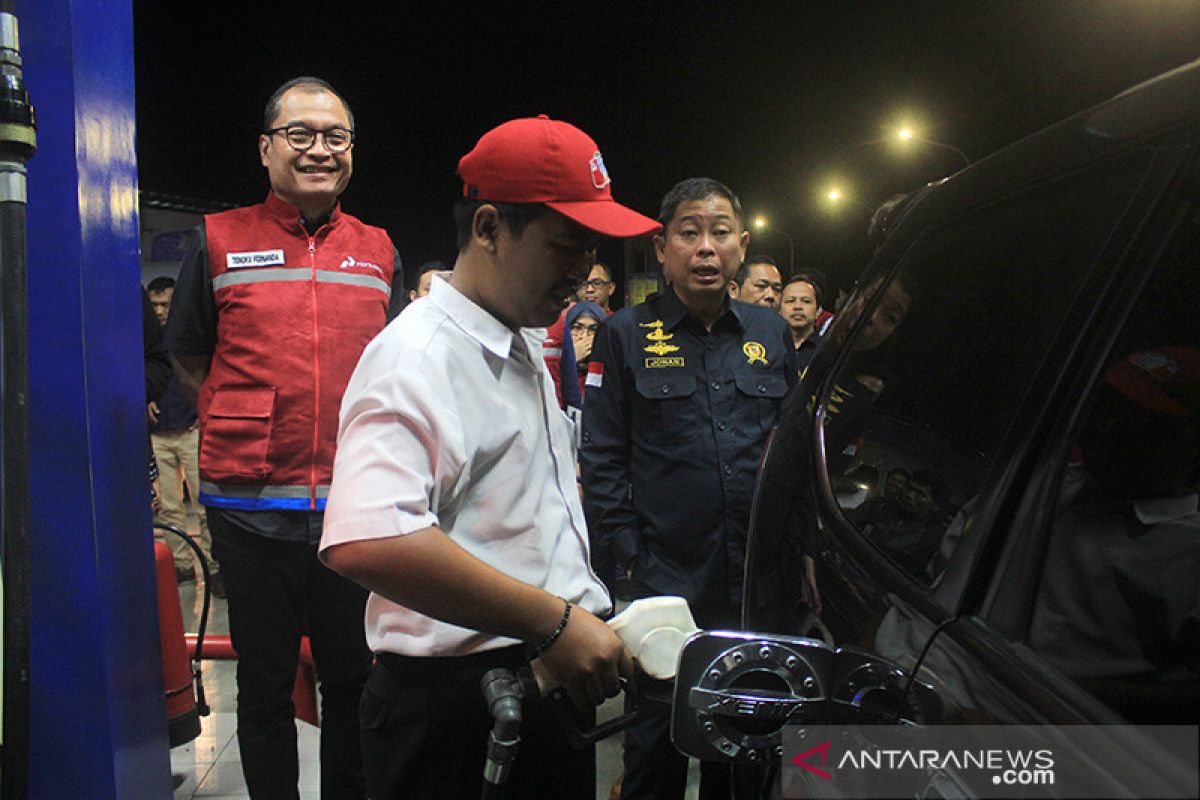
<point x="97" y="720"/>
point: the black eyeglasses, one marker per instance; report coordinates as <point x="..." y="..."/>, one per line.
<point x="302" y="138"/>
<point x="595" y="283"/>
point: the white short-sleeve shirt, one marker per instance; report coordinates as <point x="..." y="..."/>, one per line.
<point x="450" y="420"/>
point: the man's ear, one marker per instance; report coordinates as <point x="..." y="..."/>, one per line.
<point x="734" y="289"/>
<point x="744" y="243"/>
<point x="264" y="148"/>
<point x="485" y="227"/>
<point x="660" y="248"/>
<point x="412" y="295"/>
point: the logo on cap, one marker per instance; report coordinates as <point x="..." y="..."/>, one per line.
<point x="600" y="177"/>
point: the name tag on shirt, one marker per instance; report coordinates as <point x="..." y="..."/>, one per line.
<point x="259" y="258"/>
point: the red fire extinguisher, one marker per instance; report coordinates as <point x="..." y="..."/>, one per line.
<point x="183" y="720"/>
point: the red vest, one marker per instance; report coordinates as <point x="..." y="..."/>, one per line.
<point x="294" y="313"/>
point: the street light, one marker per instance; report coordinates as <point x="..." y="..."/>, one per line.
<point x="760" y="223"/>
<point x="837" y="196"/>
<point x="906" y="134"/>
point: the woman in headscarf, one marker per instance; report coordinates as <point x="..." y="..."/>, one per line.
<point x="582" y="321"/>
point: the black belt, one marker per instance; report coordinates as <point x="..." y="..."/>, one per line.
<point x="512" y="657"/>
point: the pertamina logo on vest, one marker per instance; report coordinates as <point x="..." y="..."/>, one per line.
<point x="350" y="262"/>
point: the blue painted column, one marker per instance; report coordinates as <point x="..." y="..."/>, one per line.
<point x="97" y="722"/>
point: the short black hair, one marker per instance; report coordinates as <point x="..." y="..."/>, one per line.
<point x="160" y="284"/>
<point x="804" y="277"/>
<point x="816" y="277"/>
<point x="743" y="270"/>
<point x="432" y="266"/>
<point x="309" y="84"/>
<point x="603" y="266"/>
<point x="514" y="215"/>
<point x="696" y="189"/>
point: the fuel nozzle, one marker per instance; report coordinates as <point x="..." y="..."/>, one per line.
<point x="503" y="691"/>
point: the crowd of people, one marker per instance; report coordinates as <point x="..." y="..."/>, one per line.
<point x="365" y="450"/>
<point x="438" y="480"/>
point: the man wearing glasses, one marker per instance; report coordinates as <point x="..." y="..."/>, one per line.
<point x="271" y="313"/>
<point x="599" y="286"/>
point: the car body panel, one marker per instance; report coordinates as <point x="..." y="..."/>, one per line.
<point x="934" y="625"/>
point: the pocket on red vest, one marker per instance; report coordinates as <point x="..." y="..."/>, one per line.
<point x="237" y="435"/>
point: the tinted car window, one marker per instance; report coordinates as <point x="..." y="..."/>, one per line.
<point x="1118" y="606"/>
<point x="938" y="371"/>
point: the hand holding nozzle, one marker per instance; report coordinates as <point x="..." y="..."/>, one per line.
<point x="587" y="660"/>
<point x="652" y="630"/>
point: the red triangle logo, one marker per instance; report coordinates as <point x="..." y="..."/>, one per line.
<point x="823" y="750"/>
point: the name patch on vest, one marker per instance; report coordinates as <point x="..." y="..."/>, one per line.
<point x="259" y="258"/>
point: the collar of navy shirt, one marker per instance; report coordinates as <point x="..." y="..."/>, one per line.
<point x="671" y="310"/>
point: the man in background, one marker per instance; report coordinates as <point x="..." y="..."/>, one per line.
<point x="426" y="273"/>
<point x="757" y="281"/>
<point x="799" y="304"/>
<point x="175" y="438"/>
<point x="599" y="287"/>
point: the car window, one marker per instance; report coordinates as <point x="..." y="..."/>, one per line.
<point x="1118" y="604"/>
<point x="936" y="375"/>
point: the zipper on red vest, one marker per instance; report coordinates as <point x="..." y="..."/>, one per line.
<point x="312" y="482"/>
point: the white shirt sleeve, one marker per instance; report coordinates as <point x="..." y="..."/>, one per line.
<point x="399" y="447"/>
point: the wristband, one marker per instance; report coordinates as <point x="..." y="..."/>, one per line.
<point x="553" y="637"/>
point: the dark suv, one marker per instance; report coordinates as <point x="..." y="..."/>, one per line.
<point x="995" y="452"/>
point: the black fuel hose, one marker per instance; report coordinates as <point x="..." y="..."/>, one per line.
<point x="202" y="624"/>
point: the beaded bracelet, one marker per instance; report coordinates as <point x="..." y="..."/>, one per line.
<point x="553" y="637"/>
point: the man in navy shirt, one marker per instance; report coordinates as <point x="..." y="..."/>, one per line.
<point x="683" y="391"/>
<point x="799" y="304"/>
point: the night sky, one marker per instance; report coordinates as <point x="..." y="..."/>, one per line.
<point x="774" y="99"/>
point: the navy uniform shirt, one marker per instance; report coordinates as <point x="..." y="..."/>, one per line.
<point x="806" y="351"/>
<point x="675" y="422"/>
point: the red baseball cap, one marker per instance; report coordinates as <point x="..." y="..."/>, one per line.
<point x="543" y="160"/>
